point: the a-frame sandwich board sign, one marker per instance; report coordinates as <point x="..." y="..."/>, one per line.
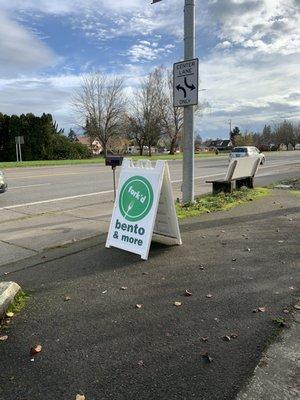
<point x="144" y="206"/>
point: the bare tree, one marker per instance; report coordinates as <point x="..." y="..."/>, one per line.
<point x="100" y="102"/>
<point x="143" y="119"/>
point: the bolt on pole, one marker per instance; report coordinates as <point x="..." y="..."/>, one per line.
<point x="188" y="126"/>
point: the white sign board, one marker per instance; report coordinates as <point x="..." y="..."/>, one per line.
<point x="144" y="207"/>
<point x="185" y="83"/>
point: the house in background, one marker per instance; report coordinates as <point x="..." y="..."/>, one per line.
<point x="219" y="144"/>
<point x="95" y="146"/>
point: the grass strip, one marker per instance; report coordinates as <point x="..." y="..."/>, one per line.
<point x="219" y="202"/>
<point x="100" y="160"/>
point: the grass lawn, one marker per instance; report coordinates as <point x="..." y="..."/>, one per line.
<point x="219" y="202"/>
<point x="45" y="163"/>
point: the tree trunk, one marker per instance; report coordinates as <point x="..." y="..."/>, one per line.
<point x="172" y="146"/>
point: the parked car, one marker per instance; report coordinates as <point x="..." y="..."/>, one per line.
<point x="247" y="151"/>
<point x="3" y="183"/>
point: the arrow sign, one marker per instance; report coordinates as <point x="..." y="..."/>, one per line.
<point x="178" y="87"/>
<point x="192" y="87"/>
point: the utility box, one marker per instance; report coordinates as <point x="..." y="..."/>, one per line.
<point x="114" y="161"/>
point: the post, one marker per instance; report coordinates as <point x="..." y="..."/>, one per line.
<point x="20" y="151"/>
<point x="188" y="135"/>
<point x="114" y="180"/>
<point x="17" y="152"/>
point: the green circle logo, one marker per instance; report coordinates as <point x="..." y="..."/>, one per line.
<point x="136" y="198"/>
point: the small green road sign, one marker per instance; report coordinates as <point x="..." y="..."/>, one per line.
<point x="136" y="198"/>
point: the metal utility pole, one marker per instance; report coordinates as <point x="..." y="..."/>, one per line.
<point x="188" y="126"/>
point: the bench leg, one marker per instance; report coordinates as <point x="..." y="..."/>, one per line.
<point x="248" y="182"/>
<point x="226" y="187"/>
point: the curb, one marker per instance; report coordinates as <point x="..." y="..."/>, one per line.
<point x="8" y="291"/>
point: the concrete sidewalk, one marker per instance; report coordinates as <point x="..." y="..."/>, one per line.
<point x="99" y="344"/>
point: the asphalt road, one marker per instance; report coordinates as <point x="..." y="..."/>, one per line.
<point x="34" y="186"/>
<point x="100" y="345"/>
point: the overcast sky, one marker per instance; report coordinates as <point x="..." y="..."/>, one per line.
<point x="249" y="53"/>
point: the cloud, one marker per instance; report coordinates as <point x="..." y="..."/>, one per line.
<point x="146" y="51"/>
<point x="20" y="52"/>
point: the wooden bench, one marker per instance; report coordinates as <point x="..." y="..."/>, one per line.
<point x="241" y="172"/>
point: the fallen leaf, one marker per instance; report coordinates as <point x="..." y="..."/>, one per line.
<point x="209" y="296"/>
<point x="217" y="319"/>
<point x="222" y="230"/>
<point x="80" y="397"/>
<point x="35" y="349"/>
<point x="9" y="314"/>
<point x="280" y="241"/>
<point x="233" y="335"/>
<point x="6" y="273"/>
<point x="104" y="291"/>
<point x="291" y="288"/>
<point x="248" y="249"/>
<point x="207" y="357"/>
<point x="177" y="303"/>
<point x="277" y="230"/>
<point x="187" y="293"/>
<point x="145" y="273"/>
<point x="141" y="363"/>
<point x="234" y="259"/>
<point x="201" y="267"/>
<point x="67" y="298"/>
<point x="3" y="338"/>
<point x="123" y="288"/>
<point x="204" y="338"/>
<point x="286" y="311"/>
<point x="139" y="306"/>
<point x="226" y="338"/>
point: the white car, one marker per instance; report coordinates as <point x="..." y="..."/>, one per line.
<point x="247" y="151"/>
<point x="3" y="183"/>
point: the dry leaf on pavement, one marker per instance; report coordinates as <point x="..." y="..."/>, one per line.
<point x="259" y="309"/>
<point x="226" y="338"/>
<point x="139" y="306"/>
<point x="187" y="293"/>
<point x="141" y="363"/>
<point x="123" y="288"/>
<point x="177" y="303"/>
<point x="204" y="338"/>
<point x="233" y="335"/>
<point x="80" y="397"/>
<point x="209" y="296"/>
<point x="67" y="298"/>
<point x="35" y="349"/>
<point x="3" y="338"/>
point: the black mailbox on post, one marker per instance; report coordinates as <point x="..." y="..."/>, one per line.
<point x="114" y="161"/>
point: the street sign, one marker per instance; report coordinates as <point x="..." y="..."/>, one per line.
<point x="19" y="139"/>
<point x="144" y="206"/>
<point x="185" y="83"/>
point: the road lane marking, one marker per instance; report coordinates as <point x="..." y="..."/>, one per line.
<point x="28" y="186"/>
<point x="54" y="200"/>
